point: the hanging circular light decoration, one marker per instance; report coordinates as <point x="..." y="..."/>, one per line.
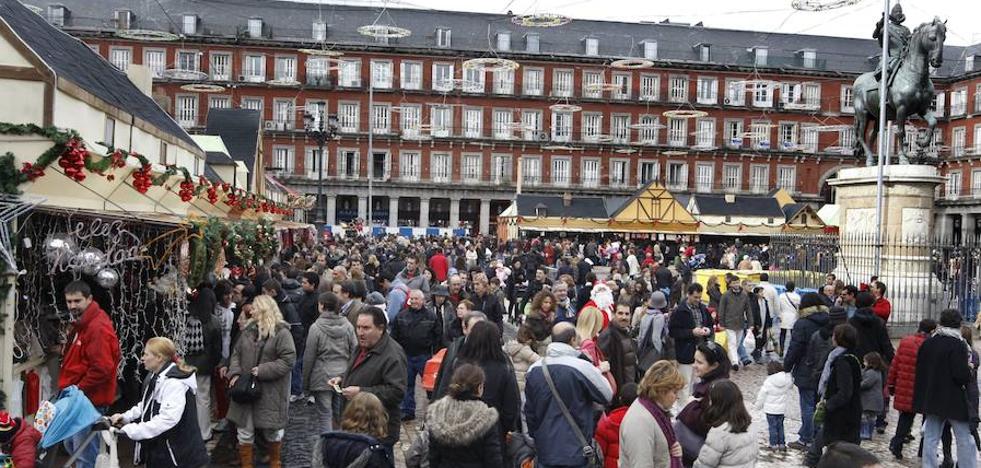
<point x="674" y="153"/>
<point x="146" y="35"/>
<point x="202" y="88"/>
<point x="631" y="64"/>
<point x="282" y="82"/>
<point x="646" y="126"/>
<point x="625" y="151"/>
<point x="565" y="108"/>
<point x="684" y="114"/>
<point x="416" y="134"/>
<point x="647" y="142"/>
<point x="600" y="138"/>
<point x="382" y="31"/>
<point x="822" y="5"/>
<point x="829" y="128"/>
<point x="450" y="84"/>
<point x="561" y="148"/>
<point x="491" y="64"/>
<point x="321" y="52"/>
<point x="541" y="20"/>
<point x="756" y="84"/>
<point x="600" y="87"/>
<point x="183" y="75"/>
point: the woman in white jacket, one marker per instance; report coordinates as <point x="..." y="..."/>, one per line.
<point x="164" y="423"/>
<point x="788" y="304"/>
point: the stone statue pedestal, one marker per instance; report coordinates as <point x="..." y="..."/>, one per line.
<point x="905" y="257"/>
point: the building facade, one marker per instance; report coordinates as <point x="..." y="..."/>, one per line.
<point x="437" y="144"/>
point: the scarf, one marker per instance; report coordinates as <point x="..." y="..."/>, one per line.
<point x="696" y="314"/>
<point x="826" y="372"/>
<point x="663" y="419"/>
<point x="953" y="333"/>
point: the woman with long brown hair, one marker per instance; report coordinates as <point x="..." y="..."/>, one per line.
<point x="363" y="424"/>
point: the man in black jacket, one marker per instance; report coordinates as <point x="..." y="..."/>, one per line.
<point x="813" y="317"/>
<point x="488" y="303"/>
<point x="872" y="333"/>
<point x="939" y="393"/>
<point x="418" y="330"/>
<point x="273" y="289"/>
<point x="307" y="306"/>
<point x="689" y="325"/>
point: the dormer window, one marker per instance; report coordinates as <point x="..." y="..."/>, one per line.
<point x="319" y="31"/>
<point x="808" y="57"/>
<point x="650" y="50"/>
<point x="255" y="28"/>
<point x="443" y="37"/>
<point x="504" y="41"/>
<point x="541" y="210"/>
<point x="704" y="52"/>
<point x="759" y="56"/>
<point x="189" y="25"/>
<point x="592" y="46"/>
<point x="123" y="19"/>
<point x="969" y="63"/>
<point x="57" y="15"/>
<point x="531" y="43"/>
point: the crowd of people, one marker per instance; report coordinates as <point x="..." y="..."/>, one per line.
<point x="631" y="369"/>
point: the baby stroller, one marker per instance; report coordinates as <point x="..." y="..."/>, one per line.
<point x="68" y="414"/>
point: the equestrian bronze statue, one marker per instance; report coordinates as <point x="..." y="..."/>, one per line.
<point x="909" y="90"/>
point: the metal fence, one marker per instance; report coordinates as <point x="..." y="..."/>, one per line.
<point x="923" y="276"/>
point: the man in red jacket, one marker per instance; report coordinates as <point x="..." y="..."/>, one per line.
<point x="440" y="265"/>
<point x="882" y="308"/>
<point x="902" y="376"/>
<point x="89" y="361"/>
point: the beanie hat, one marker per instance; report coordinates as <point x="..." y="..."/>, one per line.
<point x="810" y="300"/>
<point x="838" y="316"/>
<point x="375" y="298"/>
<point x="8" y="427"/>
<point x="657" y="300"/>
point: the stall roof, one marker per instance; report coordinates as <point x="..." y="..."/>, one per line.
<point x="239" y="129"/>
<point x="740" y="205"/>
<point x="579" y="207"/>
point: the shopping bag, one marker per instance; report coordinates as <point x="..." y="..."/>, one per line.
<point x="749" y="342"/>
<point x="722" y="339"/>
<point x="108" y="456"/>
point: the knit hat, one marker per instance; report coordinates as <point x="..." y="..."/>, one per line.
<point x="657" y="300"/>
<point x="375" y="298"/>
<point x="810" y="300"/>
<point x="8" y="427"/>
<point x="441" y="290"/>
<point x="838" y="316"/>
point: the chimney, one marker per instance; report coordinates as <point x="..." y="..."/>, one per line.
<point x="142" y="77"/>
<point x="730" y="198"/>
<point x="567" y="199"/>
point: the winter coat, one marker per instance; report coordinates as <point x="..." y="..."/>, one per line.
<point x="384" y="373"/>
<point x="164" y="423"/>
<point x="463" y="434"/>
<point x="344" y="449"/>
<point x="734" y="311"/>
<point x="522" y="357"/>
<point x="23" y="446"/>
<point x="309" y="309"/>
<point x="206" y="361"/>
<point x="414" y="281"/>
<point x="871" y="391"/>
<point x="275" y="363"/>
<point x="330" y="344"/>
<point x="843" y="416"/>
<point x="680" y="326"/>
<point x="902" y="372"/>
<point x="288" y="309"/>
<point x="500" y="392"/>
<point x="417" y="331"/>
<point x="608" y="436"/>
<point x="580" y="385"/>
<point x="447" y="317"/>
<point x="691" y="414"/>
<point x="642" y="442"/>
<point x="787" y="305"/>
<point x="715" y="297"/>
<point x="942" y="375"/>
<point x="91" y="357"/>
<point x="774" y="395"/>
<point x="491" y="306"/>
<point x="352" y="309"/>
<point x="818" y="350"/>
<point x="872" y="335"/>
<point x="621" y="350"/>
<point x="811" y="320"/>
<point x="726" y="449"/>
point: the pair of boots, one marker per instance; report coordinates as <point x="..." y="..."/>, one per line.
<point x="246" y="455"/>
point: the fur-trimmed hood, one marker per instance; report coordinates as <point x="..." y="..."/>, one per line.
<point x="459" y="422"/>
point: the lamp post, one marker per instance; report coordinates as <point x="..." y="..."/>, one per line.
<point x="321" y="127"/>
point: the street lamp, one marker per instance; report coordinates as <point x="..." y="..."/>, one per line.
<point x="320" y="127"/>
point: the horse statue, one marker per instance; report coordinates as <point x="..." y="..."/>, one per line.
<point x="909" y="91"/>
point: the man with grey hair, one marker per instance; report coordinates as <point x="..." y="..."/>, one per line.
<point x="418" y="330"/>
<point x="564" y="311"/>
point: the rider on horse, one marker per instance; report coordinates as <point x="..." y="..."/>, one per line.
<point x="899" y="37"/>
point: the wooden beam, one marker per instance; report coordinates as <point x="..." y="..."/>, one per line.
<point x="20" y="73"/>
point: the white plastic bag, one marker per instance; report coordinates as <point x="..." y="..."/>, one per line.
<point x="749" y="342"/>
<point x="108" y="456"/>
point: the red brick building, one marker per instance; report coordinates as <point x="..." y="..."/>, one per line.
<point x="453" y="145"/>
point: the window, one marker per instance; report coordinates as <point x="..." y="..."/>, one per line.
<point x="349" y="117"/>
<point x="787" y="178"/>
<point x="847" y="99"/>
<point x="474" y="80"/>
<point x="471" y="167"/>
<point x="504" y="41"/>
<point x="788" y="136"/>
<point x="504" y="81"/>
<point x="677" y="176"/>
<point x="255" y="28"/>
<point x="220" y="102"/>
<point x="735" y="93"/>
<point x="123" y="19"/>
<point x="763" y="95"/>
<point x="221" y="66"/>
<point x="501" y="166"/>
<point x="650" y="127"/>
<point x="938" y="103"/>
<point x="677" y="132"/>
<point x="650" y="86"/>
<point x="443" y="37"/>
<point x="312" y="161"/>
<point x="562" y="83"/>
<point x="501" y="124"/>
<point x="254" y="68"/>
<point x="532" y="84"/>
<point x="188" y="60"/>
<point x="441" y="119"/>
<point x="350" y="73"/>
<point x="57" y="15"/>
<point x="319" y="31"/>
<point x="120" y="57"/>
<point x="977" y="99"/>
<point x="473" y="122"/>
<point x="619" y="172"/>
<point x="252" y="103"/>
<point x="283" y="159"/>
<point x="590" y="174"/>
<point x="759" y="56"/>
<point x="592" y="126"/>
<point x="286" y="69"/>
<point x="592" y="82"/>
<point x="189" y="24"/>
<point x="283" y="113"/>
<point x="380" y="167"/>
<point x="703" y="177"/>
<point x="439" y="168"/>
<point x="958" y="140"/>
<point x="953" y="184"/>
<point x="977" y="139"/>
<point x="622" y="81"/>
<point x="620" y="128"/>
<point x="561" y="126"/>
<point x="317" y="71"/>
<point x="109" y="133"/>
<point x="759" y="178"/>
<point x="531" y="120"/>
<point x="708" y="90"/>
<point x="531" y="43"/>
<point x="846" y="138"/>
<point x="809" y="58"/>
<point x="761" y="135"/>
<point x="442" y="77"/>
<point x="531" y="170"/>
<point x="969" y="63"/>
<point x="732" y="177"/>
<point x="592" y="46"/>
<point x="347" y="163"/>
<point x="381" y="74"/>
<point x="411" y="117"/>
<point x="410" y="165"/>
<point x="958" y="102"/>
<point x="705" y="52"/>
<point x="705" y="133"/>
<point x="678" y="91"/>
<point x="734" y="133"/>
<point x="187" y="111"/>
<point x="812" y="95"/>
<point x="155" y="60"/>
<point x="809" y="138"/>
<point x="561" y="171"/>
<point x="381" y="119"/>
<point x="411" y="75"/>
<point x="647" y="172"/>
<point x="650" y="50"/>
<point x="976" y="183"/>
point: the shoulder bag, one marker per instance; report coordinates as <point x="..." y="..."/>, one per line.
<point x="246" y="389"/>
<point x="590" y="450"/>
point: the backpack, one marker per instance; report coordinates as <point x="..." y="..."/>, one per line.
<point x="647" y="354"/>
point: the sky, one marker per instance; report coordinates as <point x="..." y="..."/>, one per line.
<point x="963" y="27"/>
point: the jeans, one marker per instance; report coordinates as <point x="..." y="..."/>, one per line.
<point x="966" y="451"/>
<point x="417" y="365"/>
<point x="808" y="400"/>
<point x="89" y="452"/>
<point x="868" y="425"/>
<point x="774" y="423"/>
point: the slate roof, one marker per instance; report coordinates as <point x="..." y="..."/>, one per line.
<point x="75" y="62"/>
<point x="288" y="21"/>
<point x="744" y="205"/>
<point x="239" y="129"/>
<point x="791" y="209"/>
<point x="581" y="207"/>
<point x="210" y="174"/>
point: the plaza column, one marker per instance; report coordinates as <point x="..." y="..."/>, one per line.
<point x="423" y="212"/>
<point x="393" y="211"/>
<point x="454" y="213"/>
<point x="362" y="207"/>
<point x="331" y="215"/>
<point x="968" y="234"/>
<point x="484" y="216"/>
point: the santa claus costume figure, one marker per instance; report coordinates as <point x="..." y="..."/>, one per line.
<point x="601" y="298"/>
